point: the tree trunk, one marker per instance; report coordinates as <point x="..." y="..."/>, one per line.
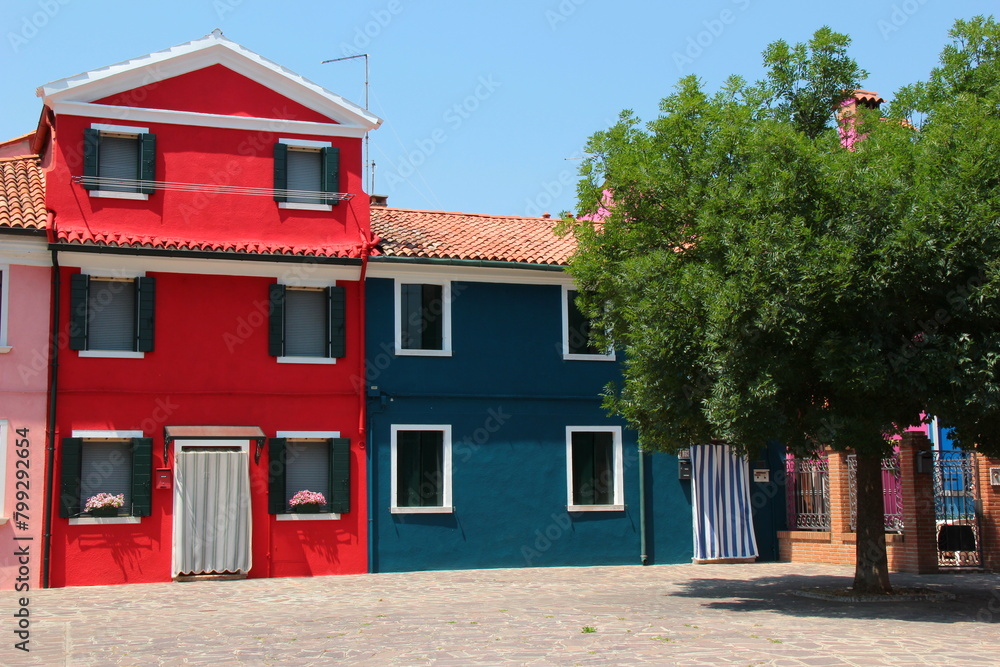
<point x="871" y="572"/>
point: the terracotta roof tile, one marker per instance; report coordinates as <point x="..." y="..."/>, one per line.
<point x="470" y="236"/>
<point x="22" y="193"/>
<point x="122" y="240"/>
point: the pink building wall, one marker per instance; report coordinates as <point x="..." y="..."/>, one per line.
<point x="23" y="399"/>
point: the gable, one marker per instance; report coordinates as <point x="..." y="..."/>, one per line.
<point x="215" y="89"/>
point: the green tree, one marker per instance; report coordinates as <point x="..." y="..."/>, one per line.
<point x="767" y="284"/>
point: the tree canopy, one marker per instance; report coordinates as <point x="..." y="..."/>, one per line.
<point x="772" y="274"/>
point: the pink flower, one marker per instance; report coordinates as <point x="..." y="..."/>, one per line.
<point x="306" y="497"/>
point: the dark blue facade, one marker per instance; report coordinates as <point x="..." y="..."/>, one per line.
<point x="508" y="395"/>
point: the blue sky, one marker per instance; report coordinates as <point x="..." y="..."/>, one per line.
<point x="485" y="104"/>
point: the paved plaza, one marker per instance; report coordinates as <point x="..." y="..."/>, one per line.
<point x="663" y="614"/>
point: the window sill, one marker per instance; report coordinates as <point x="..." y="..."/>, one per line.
<point x="595" y="508"/>
<point x="422" y="353"/>
<point x="4" y="520"/>
<point x="99" y="520"/>
<point x="306" y="360"/>
<point x="4" y="349"/>
<point x="302" y="206"/>
<point x="112" y="354"/>
<point x="421" y="510"/>
<point x="111" y="194"/>
<point x="589" y="357"/>
<point x="319" y="516"/>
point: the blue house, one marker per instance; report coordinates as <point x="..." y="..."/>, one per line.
<point x="487" y="442"/>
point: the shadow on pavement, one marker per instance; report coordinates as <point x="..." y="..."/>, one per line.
<point x="977" y="597"/>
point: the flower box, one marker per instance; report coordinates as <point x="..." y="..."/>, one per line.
<point x="103" y="511"/>
<point x="307" y="508"/>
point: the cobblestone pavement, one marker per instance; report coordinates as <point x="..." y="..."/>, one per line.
<point x="662" y="614"/>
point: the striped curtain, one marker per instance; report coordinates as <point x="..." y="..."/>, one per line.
<point x="720" y="489"/>
<point x="212" y="530"/>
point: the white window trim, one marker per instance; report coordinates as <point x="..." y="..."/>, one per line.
<point x="446" y="507"/>
<point x="119" y="129"/>
<point x="305" y="143"/>
<point x="3" y="472"/>
<point x="306" y="360"/>
<point x="97" y="520"/>
<point x="301" y="435"/>
<point x="97" y="274"/>
<point x="618" y="504"/>
<point x="4" y="309"/>
<point x="446" y="350"/>
<point x="610" y="356"/>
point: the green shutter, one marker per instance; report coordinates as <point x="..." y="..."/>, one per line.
<point x="142" y="476"/>
<point x="69" y="488"/>
<point x="91" y="158"/>
<point x="337" y="337"/>
<point x="276" y="475"/>
<point x="79" y="288"/>
<point x="276" y="325"/>
<point x="280" y="172"/>
<point x="145" y="290"/>
<point x="340" y="475"/>
<point x="147" y="163"/>
<point x="330" y="173"/>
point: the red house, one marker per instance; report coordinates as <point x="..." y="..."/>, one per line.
<point x="209" y="233"/>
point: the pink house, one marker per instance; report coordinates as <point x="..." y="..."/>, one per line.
<point x="25" y="285"/>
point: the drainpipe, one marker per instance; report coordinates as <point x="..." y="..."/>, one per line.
<point x="50" y="427"/>
<point x="643" y="558"/>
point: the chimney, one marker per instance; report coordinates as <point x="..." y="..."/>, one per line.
<point x="379" y="200"/>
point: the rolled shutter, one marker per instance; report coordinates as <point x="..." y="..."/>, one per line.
<point x="340" y="475"/>
<point x="276" y="475"/>
<point x="147" y="163"/>
<point x="69" y="487"/>
<point x="280" y="172"/>
<point x="338" y="318"/>
<point x="78" y="291"/>
<point x="145" y="289"/>
<point x="330" y="173"/>
<point x="276" y="325"/>
<point x="91" y="158"/>
<point x="142" y="476"/>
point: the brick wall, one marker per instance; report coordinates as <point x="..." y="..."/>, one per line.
<point x="989" y="494"/>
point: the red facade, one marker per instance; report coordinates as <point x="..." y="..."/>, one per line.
<point x="212" y="240"/>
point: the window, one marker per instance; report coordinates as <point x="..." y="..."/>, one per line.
<point x="119" y="161"/>
<point x="306" y="174"/>
<point x="577" y="343"/>
<point x="309" y="461"/>
<point x="423" y="318"/>
<point x="112" y="317"/>
<point x="307" y="324"/>
<point x="594" y="468"/>
<point x="4" y="300"/>
<point x="421" y="469"/>
<point x="115" y="462"/>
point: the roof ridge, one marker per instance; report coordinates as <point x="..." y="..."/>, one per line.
<point x="477" y="215"/>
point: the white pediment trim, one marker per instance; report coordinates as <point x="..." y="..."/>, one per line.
<point x="212" y="49"/>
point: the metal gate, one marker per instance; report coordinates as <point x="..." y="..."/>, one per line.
<point x="956" y="496"/>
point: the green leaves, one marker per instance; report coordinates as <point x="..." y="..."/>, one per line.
<point x="767" y="284"/>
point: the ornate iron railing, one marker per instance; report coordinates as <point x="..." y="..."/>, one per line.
<point x="892" y="494"/>
<point x="808" y="490"/>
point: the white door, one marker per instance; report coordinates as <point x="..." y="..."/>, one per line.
<point x="212" y="519"/>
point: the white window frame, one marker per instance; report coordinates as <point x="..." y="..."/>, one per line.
<point x="129" y="130"/>
<point x="609" y="356"/>
<point x="307" y="284"/>
<point x="446" y="507"/>
<point x="113" y="354"/>
<point x="4" y="448"/>
<point x="4" y="307"/>
<point x="445" y="350"/>
<point x="113" y="435"/>
<point x="307" y="144"/>
<point x="305" y="435"/>
<point x="618" y="503"/>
